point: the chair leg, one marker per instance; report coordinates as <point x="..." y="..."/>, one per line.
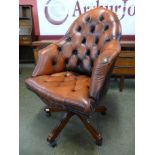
<point x="121" y="83"/>
<point x="54" y="133"/>
<point x="48" y="110"/>
<point x="92" y="130"/>
<point x="101" y="109"/>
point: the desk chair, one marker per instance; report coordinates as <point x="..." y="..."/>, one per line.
<point x="72" y="75"/>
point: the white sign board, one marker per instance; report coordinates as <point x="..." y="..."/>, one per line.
<point x="55" y="16"/>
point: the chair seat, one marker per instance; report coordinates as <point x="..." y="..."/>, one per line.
<point x="66" y="89"/>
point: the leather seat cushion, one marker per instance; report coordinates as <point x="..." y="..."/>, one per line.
<point x="67" y="89"/>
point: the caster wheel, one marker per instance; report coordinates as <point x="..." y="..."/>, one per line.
<point x="99" y="142"/>
<point x="103" y="113"/>
<point x="48" y="113"/>
<point x="53" y="143"/>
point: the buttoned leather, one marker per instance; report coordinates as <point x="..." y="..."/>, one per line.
<point x="73" y="72"/>
<point x="66" y="87"/>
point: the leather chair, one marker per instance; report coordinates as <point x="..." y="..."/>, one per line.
<point x="72" y="75"/>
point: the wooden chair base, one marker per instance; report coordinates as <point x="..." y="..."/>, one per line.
<point x="54" y="133"/>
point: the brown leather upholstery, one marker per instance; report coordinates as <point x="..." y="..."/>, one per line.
<point x="73" y="72"/>
<point x="67" y="88"/>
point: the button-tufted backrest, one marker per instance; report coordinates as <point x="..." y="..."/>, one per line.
<point x="84" y="41"/>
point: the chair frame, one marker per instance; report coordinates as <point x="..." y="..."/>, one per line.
<point x="98" y="65"/>
<point x="57" y="130"/>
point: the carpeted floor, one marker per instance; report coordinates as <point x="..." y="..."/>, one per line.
<point x="117" y="127"/>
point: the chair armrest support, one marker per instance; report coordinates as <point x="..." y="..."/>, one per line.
<point x="46" y="58"/>
<point x="102" y="66"/>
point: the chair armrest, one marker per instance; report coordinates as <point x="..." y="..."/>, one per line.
<point x="48" y="61"/>
<point x="102" y="66"/>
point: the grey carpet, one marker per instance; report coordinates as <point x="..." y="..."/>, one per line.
<point x="117" y="127"/>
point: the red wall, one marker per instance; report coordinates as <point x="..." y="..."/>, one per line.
<point x="35" y="13"/>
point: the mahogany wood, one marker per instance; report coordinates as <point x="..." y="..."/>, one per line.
<point x="121" y="83"/>
<point x="92" y="130"/>
<point x="54" y="133"/>
<point x="55" y="109"/>
<point x="101" y="109"/>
